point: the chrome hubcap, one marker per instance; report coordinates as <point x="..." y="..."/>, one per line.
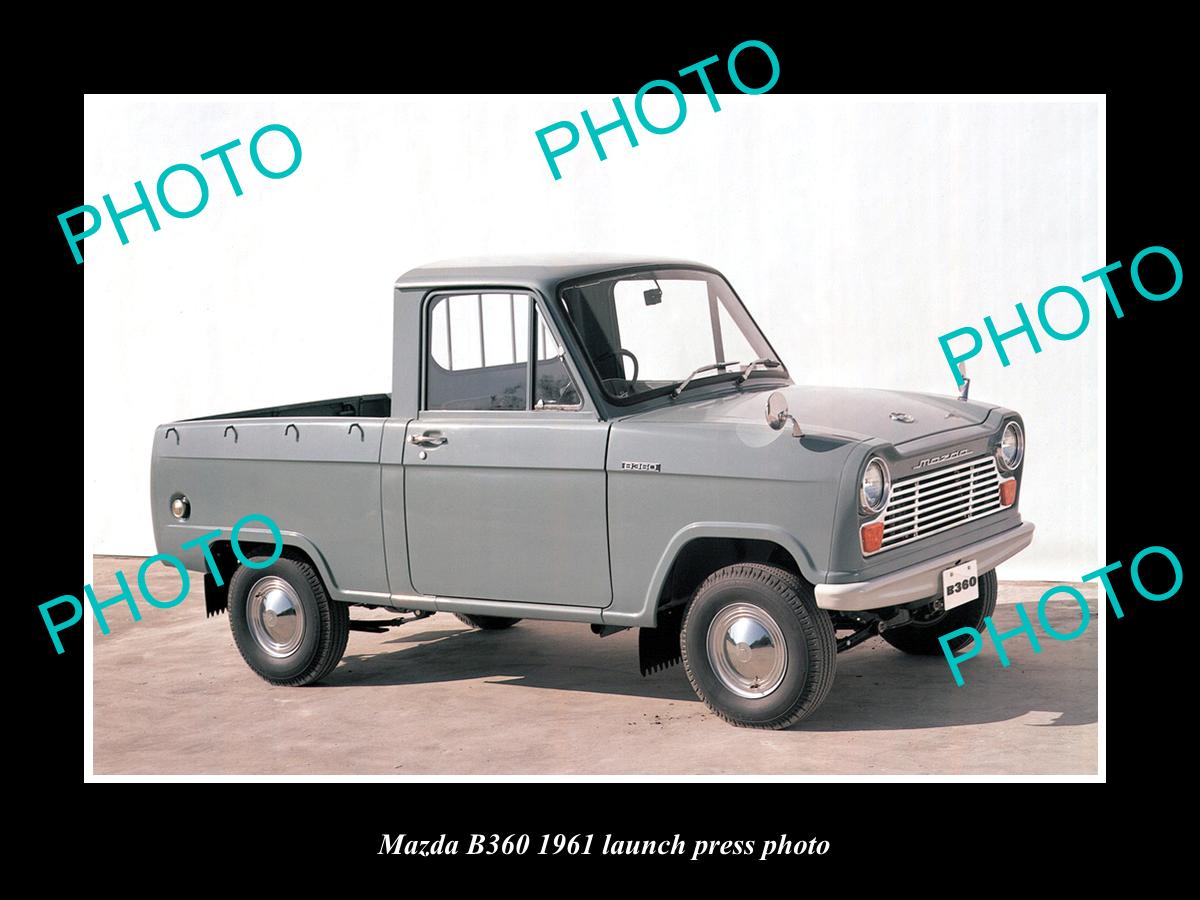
<point x="747" y="650"/>
<point x="276" y="616"/>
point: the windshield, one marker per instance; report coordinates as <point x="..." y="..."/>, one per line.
<point x="644" y="333"/>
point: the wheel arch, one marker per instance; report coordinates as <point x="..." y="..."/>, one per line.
<point x="699" y="549"/>
<point x="260" y="542"/>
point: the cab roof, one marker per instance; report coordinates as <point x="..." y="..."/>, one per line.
<point x="543" y="272"/>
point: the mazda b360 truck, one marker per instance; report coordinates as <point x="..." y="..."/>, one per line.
<point x="604" y="441"/>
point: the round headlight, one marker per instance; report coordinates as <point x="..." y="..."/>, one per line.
<point x="179" y="507"/>
<point x="1012" y="446"/>
<point x="875" y="485"/>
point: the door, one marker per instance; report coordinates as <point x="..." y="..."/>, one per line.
<point x="504" y="478"/>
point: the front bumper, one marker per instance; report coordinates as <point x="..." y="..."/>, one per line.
<point x="925" y="578"/>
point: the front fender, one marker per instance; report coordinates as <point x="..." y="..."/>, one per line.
<point x="646" y="615"/>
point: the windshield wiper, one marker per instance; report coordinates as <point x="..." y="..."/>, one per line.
<point x="682" y="386"/>
<point x="766" y="362"/>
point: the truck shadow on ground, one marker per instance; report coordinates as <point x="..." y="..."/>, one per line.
<point x="877" y="687"/>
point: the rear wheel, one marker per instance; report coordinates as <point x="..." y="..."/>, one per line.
<point x="756" y="648"/>
<point x="486" y="623"/>
<point x="920" y="637"/>
<point x="285" y="625"/>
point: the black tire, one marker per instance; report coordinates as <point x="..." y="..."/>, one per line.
<point x="323" y="629"/>
<point x="921" y="638"/>
<point x="807" y="634"/>
<point x="486" y="623"/>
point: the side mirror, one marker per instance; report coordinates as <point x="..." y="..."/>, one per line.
<point x="778" y="415"/>
<point x="966" y="382"/>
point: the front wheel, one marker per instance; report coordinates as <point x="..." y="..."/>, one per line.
<point x="284" y="624"/>
<point x="757" y="649"/>
<point x="920" y="637"/>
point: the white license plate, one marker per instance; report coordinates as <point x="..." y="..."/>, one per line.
<point x="961" y="584"/>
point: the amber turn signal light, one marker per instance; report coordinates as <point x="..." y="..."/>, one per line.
<point x="1008" y="492"/>
<point x="872" y="537"/>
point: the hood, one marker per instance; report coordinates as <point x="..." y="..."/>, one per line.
<point x="856" y="413"/>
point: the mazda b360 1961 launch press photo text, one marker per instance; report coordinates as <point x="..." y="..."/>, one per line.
<point x="611" y="442"/>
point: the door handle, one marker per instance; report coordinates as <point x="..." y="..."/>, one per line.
<point x="427" y="440"/>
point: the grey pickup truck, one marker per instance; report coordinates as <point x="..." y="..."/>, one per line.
<point x="609" y="441"/>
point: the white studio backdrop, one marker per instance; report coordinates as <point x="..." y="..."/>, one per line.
<point x="856" y="232"/>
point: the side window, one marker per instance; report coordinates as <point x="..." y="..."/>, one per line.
<point x="478" y="346"/>
<point x="553" y="387"/>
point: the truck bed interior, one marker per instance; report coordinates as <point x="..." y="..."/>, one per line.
<point x="371" y="406"/>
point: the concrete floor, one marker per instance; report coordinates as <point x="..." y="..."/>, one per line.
<point x="172" y="696"/>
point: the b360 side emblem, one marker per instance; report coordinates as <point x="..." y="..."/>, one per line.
<point x="642" y="467"/>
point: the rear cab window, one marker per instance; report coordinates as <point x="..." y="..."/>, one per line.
<point x="478" y="355"/>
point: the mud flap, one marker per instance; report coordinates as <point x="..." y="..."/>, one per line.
<point x="216" y="599"/>
<point x="216" y="596"/>
<point x="658" y="648"/>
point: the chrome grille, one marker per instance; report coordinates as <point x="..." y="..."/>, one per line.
<point x="925" y="504"/>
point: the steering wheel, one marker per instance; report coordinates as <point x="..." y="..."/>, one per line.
<point x="620" y="351"/>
